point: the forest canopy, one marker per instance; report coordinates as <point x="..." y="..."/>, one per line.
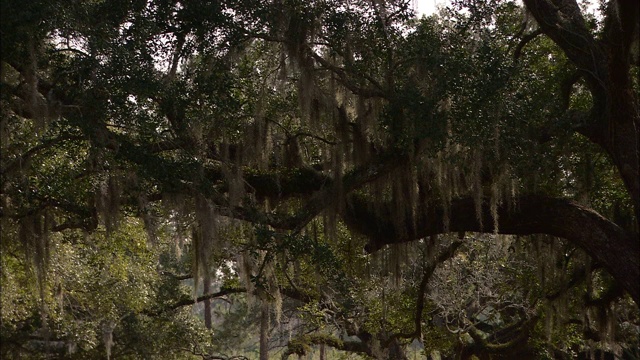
<point x="339" y="179"/>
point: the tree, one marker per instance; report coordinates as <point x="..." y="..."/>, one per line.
<point x="246" y="126"/>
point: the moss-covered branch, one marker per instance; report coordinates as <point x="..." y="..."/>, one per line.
<point x="190" y="301"/>
<point x="606" y="242"/>
<point x="302" y="345"/>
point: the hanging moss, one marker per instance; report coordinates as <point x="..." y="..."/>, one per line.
<point x="204" y="238"/>
<point x="107" y="336"/>
<point x="107" y="202"/>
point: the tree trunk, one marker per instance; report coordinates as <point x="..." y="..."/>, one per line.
<point x="206" y="288"/>
<point x="605" y="64"/>
<point x="264" y="331"/>
<point x="396" y="352"/>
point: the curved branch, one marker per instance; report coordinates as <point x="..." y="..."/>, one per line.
<point x="605" y="66"/>
<point x="606" y="242"/>
<point x="344" y="79"/>
<point x="428" y="271"/>
<point x="566" y="87"/>
<point x="524" y="41"/>
<point x="22" y="160"/>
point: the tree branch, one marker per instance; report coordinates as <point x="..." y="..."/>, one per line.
<point x="23" y="160"/>
<point x="524" y="41"/>
<point x="605" y="241"/>
<point x="301" y="345"/>
<point x="562" y="21"/>
<point x="191" y="301"/>
<point x="428" y="271"/>
<point x="605" y="65"/>
<point x="518" y="334"/>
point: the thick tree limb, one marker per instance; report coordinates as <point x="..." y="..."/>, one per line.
<point x="605" y="65"/>
<point x="562" y="21"/>
<point x="606" y="242"/>
<point x="321" y="200"/>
